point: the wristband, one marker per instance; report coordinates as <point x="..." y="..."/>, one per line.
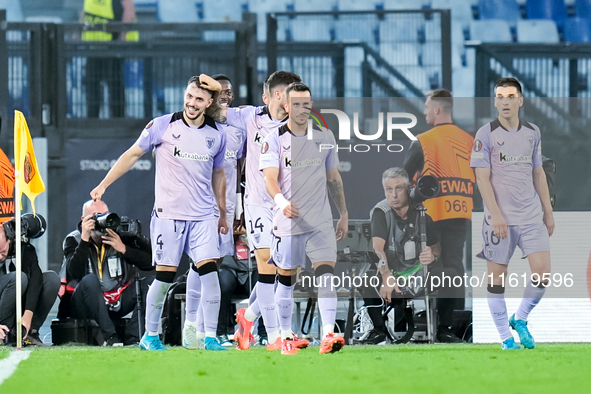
<point x="281" y="201"/>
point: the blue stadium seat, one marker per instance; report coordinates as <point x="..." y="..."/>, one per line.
<point x="507" y="10"/>
<point x="537" y="31"/>
<point x="577" y="30"/>
<point x="313" y="5"/>
<point x="583" y="8"/>
<point x="14" y="11"/>
<point x="404" y="4"/>
<point x="223" y="10"/>
<point x="177" y="11"/>
<point x="349" y="29"/>
<point x="547" y="9"/>
<point x="310" y="30"/>
<point x="491" y="30"/>
<point x="400" y="54"/>
<point x="461" y="10"/>
<point x="356" y="5"/>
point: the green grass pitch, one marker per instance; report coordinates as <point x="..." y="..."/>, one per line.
<point x="550" y="368"/>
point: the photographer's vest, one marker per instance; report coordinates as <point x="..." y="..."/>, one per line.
<point x="99" y="12"/>
<point x="106" y="263"/>
<point x="446" y="152"/>
<point x="401" y="243"/>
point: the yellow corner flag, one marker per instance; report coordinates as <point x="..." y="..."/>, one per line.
<point x="30" y="182"/>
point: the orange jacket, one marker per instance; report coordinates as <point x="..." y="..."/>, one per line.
<point x="6" y="188"/>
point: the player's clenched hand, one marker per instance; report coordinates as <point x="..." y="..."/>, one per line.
<point x="549" y="222"/>
<point x="3" y="331"/>
<point x="427" y="257"/>
<point x="97" y="193"/>
<point x="342" y="228"/>
<point x="499" y="225"/>
<point x="223" y="225"/>
<point x="291" y="210"/>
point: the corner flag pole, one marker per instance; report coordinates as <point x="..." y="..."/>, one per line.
<point x="17" y="231"/>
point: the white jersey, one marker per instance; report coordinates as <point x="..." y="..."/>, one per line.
<point x="258" y="123"/>
<point x="235" y="141"/>
<point x="302" y="178"/>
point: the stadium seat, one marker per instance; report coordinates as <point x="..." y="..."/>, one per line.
<point x="303" y="29"/>
<point x="507" y="10"/>
<point x="223" y="10"/>
<point x="404" y="4"/>
<point x="14" y="11"/>
<point x="538" y="31"/>
<point x="349" y="29"/>
<point x="431" y="54"/>
<point x="461" y="10"/>
<point x="577" y="30"/>
<point x="492" y="30"/>
<point x="177" y="11"/>
<point x="400" y="54"/>
<point x="583" y="8"/>
<point x="313" y="5"/>
<point x="547" y="9"/>
<point x="397" y="31"/>
<point x="356" y="5"/>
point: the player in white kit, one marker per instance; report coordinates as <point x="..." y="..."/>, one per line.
<point x="507" y="158"/>
<point x="190" y="183"/>
<point x="258" y="205"/>
<point x="297" y="172"/>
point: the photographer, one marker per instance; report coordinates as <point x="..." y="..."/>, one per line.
<point x="39" y="289"/>
<point x="100" y="266"/>
<point x="395" y="236"/>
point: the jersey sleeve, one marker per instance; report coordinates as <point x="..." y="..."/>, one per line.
<point x="332" y="160"/>
<point x="152" y="134"/>
<point x="480" y="157"/>
<point x="536" y="159"/>
<point x="379" y="226"/>
<point x="270" y="152"/>
<point x="239" y="116"/>
<point x="218" y="159"/>
<point x="241" y="152"/>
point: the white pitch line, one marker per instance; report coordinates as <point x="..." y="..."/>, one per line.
<point x="8" y="365"/>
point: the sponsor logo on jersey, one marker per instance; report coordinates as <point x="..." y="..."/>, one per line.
<point x="189" y="156"/>
<point x="505" y="158"/>
<point x="287" y="161"/>
<point x="477" y="146"/>
<point x="209" y="142"/>
<point x="231" y="154"/>
<point x="500" y="143"/>
<point x="258" y="138"/>
<point x="176" y="137"/>
<point x="265" y="148"/>
<point x="306" y="163"/>
<point x="288" y="147"/>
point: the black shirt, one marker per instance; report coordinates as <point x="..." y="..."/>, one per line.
<point x="379" y="227"/>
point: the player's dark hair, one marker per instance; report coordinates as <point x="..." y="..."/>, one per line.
<point x="280" y="78"/>
<point x="214" y="110"/>
<point x="508" y="82"/>
<point x="442" y="97"/>
<point x="297" y="87"/>
<point x="221" y="77"/>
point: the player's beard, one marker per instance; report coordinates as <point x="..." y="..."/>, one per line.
<point x="199" y="113"/>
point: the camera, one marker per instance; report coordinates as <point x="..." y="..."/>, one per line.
<point x="32" y="226"/>
<point x="426" y="187"/>
<point x="124" y="226"/>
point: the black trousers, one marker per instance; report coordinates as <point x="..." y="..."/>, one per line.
<point x="452" y="237"/>
<point x="230" y="287"/>
<point x="47" y="297"/>
<point x="88" y="303"/>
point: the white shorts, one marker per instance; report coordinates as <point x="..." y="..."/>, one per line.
<point x="290" y="252"/>
<point x="170" y="238"/>
<point x="227" y="240"/>
<point x="259" y="226"/>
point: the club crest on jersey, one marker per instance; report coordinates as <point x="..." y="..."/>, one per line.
<point x="531" y="141"/>
<point x="477" y="146"/>
<point x="265" y="148"/>
<point x="239" y="137"/>
<point x="287" y="161"/>
<point x="209" y="142"/>
<point x="258" y="138"/>
<point x="318" y="143"/>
